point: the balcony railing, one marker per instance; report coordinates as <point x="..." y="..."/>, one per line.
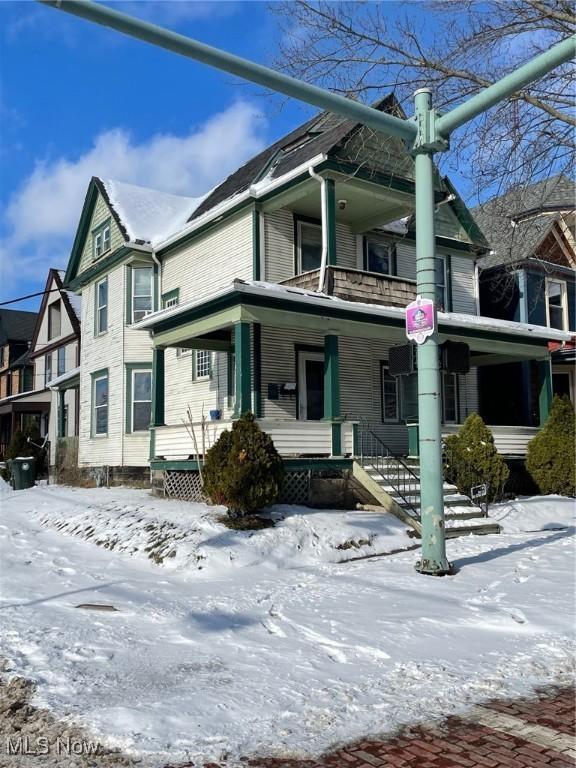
<point x="360" y="286"/>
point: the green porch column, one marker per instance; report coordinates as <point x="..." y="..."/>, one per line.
<point x="545" y="389"/>
<point x="243" y="402"/>
<point x="332" y="391"/>
<point x="331" y="220"/>
<point x="61" y="413"/>
<point x="157" y="419"/>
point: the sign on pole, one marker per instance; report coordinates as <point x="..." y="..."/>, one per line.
<point x="420" y="320"/>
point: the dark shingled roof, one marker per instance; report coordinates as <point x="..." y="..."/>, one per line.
<point x="16" y="325"/>
<point x="516" y="223"/>
<point x="319" y="135"/>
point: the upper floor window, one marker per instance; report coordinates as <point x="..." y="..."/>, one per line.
<point x="101" y="240"/>
<point x="142" y="292"/>
<point x="441" y="283"/>
<point x="379" y="255"/>
<point x="556" y="305"/>
<point x="171" y="299"/>
<point x="309" y="246"/>
<point x="202" y="364"/>
<point x="48" y="368"/>
<point x="54" y="320"/>
<point x="390" y="395"/>
<point x="100" y="404"/>
<point x="102" y="306"/>
<point x="61" y="360"/>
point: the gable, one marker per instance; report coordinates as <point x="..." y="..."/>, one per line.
<point x="54" y="294"/>
<point x="100" y="215"/>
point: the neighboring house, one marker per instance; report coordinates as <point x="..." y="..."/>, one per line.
<point x="213" y="304"/>
<point x="21" y="401"/>
<point x="55" y="351"/>
<point x="530" y="276"/>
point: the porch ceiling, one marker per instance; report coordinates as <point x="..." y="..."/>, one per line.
<point x="203" y="324"/>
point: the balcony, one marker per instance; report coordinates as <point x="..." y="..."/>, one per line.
<point x="357" y="285"/>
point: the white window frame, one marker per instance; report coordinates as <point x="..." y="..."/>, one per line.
<point x="385" y="367"/>
<point x="171" y="302"/>
<point x="564" y="307"/>
<point x="133" y="398"/>
<point x="95" y="433"/>
<point x="445" y="375"/>
<point x="299" y="224"/>
<point x="100" y="307"/>
<point x="61" y="354"/>
<point x="48" y="369"/>
<point x="207" y="357"/>
<point x="140" y="296"/>
<point x="101" y="241"/>
<point x="55" y="305"/>
<point x="381" y="241"/>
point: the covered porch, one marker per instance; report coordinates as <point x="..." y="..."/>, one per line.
<point x="321" y="422"/>
<point x="18" y="411"/>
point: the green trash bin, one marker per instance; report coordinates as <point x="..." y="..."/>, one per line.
<point x="23" y="471"/>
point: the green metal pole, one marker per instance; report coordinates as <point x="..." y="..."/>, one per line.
<point x="434" y="561"/>
<point x="255" y="73"/>
<point x="528" y="73"/>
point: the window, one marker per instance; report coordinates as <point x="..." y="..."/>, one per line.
<point x="61" y="360"/>
<point x="101" y="240"/>
<point x="171" y="299"/>
<point x="556" y="305"/>
<point x="202" y="364"/>
<point x="441" y="283"/>
<point x="449" y="398"/>
<point x="48" y="368"/>
<point x="102" y="306"/>
<point x="54" y="320"/>
<point x="390" y="398"/>
<point x="142" y="289"/>
<point x="141" y="400"/>
<point x="309" y="246"/>
<point x="100" y="408"/>
<point x="379" y="256"/>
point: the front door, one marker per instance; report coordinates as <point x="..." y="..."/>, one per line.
<point x="310" y="386"/>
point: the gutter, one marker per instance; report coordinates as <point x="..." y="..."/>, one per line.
<point x="324" y="256"/>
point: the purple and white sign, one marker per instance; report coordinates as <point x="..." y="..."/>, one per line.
<point x="420" y="320"/>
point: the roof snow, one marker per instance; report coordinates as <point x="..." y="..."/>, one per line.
<point x="148" y="215"/>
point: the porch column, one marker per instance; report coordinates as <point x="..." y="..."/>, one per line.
<point x="545" y="389"/>
<point x="61" y="413"/>
<point x="332" y="391"/>
<point x="157" y="419"/>
<point x="243" y="373"/>
<point x="331" y="220"/>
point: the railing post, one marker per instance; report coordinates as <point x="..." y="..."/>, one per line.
<point x="243" y="373"/>
<point x="157" y="419"/>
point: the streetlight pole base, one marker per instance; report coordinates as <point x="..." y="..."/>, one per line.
<point x="435" y="568"/>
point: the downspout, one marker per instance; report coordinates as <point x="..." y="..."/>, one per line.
<point x="156" y="261"/>
<point x="152" y="431"/>
<point x="324" y="256"/>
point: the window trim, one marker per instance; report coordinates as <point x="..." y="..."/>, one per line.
<point x="96" y="232"/>
<point x="51" y="308"/>
<point x="61" y="351"/>
<point x="131" y="369"/>
<point x="133" y="269"/>
<point x="384" y="364"/>
<point x="392" y="255"/>
<point x="564" y="295"/>
<point x="298" y="221"/>
<point x="204" y="377"/>
<point x="456" y="397"/>
<point x="97" y="308"/>
<point x="48" y="358"/>
<point x="96" y="376"/>
<point x="170" y="296"/>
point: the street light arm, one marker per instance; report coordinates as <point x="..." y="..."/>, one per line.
<point x="255" y="73"/>
<point x="528" y="73"/>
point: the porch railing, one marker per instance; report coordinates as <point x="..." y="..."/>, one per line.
<point x="376" y="456"/>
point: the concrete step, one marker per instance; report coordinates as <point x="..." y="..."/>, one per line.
<point x="481" y="529"/>
<point x="472" y="513"/>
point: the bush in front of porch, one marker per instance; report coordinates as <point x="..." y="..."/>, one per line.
<point x="472" y="460"/>
<point x="550" y="458"/>
<point x="243" y="470"/>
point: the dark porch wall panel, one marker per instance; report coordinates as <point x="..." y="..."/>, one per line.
<point x="536" y="298"/>
<point x="571" y="294"/>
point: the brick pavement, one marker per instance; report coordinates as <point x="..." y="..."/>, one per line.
<point x="528" y="733"/>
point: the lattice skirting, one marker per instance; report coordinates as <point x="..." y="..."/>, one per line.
<point x="186" y="486"/>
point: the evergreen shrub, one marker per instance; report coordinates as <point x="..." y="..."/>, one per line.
<point x="550" y="458"/>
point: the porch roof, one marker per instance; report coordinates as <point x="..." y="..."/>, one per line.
<point x="68" y="380"/>
<point x="34" y="401"/>
<point x="285" y="306"/>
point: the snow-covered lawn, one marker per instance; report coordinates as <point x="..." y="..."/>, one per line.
<point x="272" y="646"/>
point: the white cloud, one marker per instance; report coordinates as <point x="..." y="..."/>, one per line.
<point x="42" y="215"/>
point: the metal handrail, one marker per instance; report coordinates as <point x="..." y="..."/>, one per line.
<point x="394" y="471"/>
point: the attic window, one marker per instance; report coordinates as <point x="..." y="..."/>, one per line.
<point x="101" y="240"/>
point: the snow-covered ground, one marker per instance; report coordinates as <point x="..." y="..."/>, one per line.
<point x="273" y="647"/>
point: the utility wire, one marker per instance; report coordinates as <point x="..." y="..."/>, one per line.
<point x="30" y="296"/>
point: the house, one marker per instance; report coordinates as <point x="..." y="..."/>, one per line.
<point x="280" y="292"/>
<point x="21" y="400"/>
<point x="55" y="352"/>
<point x="530" y="276"/>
